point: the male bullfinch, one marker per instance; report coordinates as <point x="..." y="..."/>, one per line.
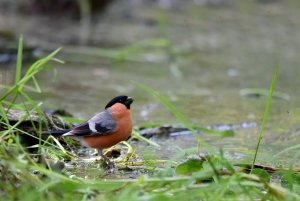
<point x="105" y="129"/>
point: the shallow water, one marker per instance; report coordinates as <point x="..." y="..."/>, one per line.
<point x="213" y="53"/>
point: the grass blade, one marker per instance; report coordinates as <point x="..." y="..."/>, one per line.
<point x="3" y="114"/>
<point x="34" y="69"/>
<point x="19" y="61"/>
<point x="179" y="115"/>
<point x="19" y="122"/>
<point x="266" y="113"/>
<point x="36" y="84"/>
<point x="139" y="137"/>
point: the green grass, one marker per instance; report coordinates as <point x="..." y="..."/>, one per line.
<point x="19" y="61"/>
<point x="209" y="178"/>
<point x="266" y="113"/>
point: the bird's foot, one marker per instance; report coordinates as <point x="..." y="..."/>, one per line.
<point x="110" y="165"/>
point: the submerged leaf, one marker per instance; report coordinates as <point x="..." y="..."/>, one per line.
<point x="256" y="92"/>
<point x="189" y="166"/>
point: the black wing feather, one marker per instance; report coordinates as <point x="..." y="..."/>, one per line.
<point x="102" y="129"/>
<point x="82" y="129"/>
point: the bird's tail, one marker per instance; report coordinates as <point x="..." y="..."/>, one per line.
<point x="55" y="132"/>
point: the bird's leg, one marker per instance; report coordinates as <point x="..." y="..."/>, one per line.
<point x="108" y="162"/>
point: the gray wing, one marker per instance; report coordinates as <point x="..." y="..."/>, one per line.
<point x="100" y="124"/>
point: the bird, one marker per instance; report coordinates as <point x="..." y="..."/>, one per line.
<point x="107" y="128"/>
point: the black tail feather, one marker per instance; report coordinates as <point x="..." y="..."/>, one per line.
<point x="55" y="132"/>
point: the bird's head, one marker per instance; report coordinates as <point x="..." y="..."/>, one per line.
<point x="125" y="100"/>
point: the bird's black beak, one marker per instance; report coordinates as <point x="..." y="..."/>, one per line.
<point x="128" y="102"/>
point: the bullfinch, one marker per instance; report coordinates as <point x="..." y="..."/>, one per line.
<point x="105" y="129"/>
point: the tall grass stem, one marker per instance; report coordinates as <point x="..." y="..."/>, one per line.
<point x="265" y="116"/>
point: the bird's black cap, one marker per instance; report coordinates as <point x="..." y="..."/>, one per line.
<point x="125" y="100"/>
